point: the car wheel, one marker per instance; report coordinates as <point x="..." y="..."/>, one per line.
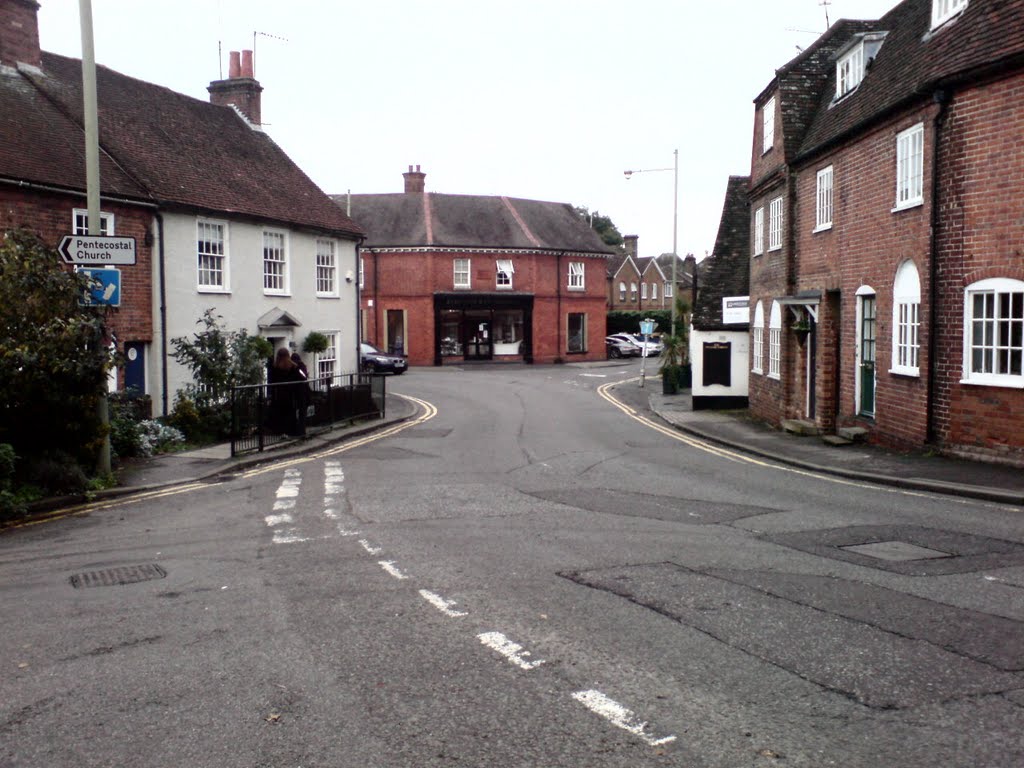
<point x="614" y="353"/>
<point x="398" y="372"/>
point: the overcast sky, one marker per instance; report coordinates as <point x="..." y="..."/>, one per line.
<point x="540" y="99"/>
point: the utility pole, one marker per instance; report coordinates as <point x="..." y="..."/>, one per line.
<point x="92" y="182"/>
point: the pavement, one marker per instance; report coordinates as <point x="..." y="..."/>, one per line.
<point x="922" y="471"/>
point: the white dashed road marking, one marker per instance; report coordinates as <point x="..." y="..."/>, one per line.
<point x="369" y="547"/>
<point x="511" y="651"/>
<point x="444" y="606"/>
<point x="618" y="716"/>
<point x="389" y="566"/>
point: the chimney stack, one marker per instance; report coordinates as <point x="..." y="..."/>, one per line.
<point x="414" y="180"/>
<point x="19" y="33"/>
<point x="241" y="89"/>
<point x="629" y="242"/>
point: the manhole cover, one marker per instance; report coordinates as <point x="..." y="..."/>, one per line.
<point x="128" y="574"/>
<point x="896" y="551"/>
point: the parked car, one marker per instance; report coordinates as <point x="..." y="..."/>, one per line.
<point x="650" y="348"/>
<point x="372" y="359"/>
<point x="620" y="347"/>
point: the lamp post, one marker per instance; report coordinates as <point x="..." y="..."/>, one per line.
<point x="675" y="222"/>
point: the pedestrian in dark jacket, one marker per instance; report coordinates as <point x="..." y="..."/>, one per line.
<point x="285" y="379"/>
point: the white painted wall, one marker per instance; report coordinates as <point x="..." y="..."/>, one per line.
<point x="245" y="300"/>
<point x="740" y="373"/>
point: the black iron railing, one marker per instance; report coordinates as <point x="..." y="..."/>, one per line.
<point x="263" y="415"/>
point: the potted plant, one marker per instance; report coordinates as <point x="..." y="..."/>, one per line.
<point x="671" y="369"/>
<point x="315" y="343"/>
<point x="801" y="327"/>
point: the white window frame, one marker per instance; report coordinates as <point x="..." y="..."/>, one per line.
<point x="823" y="216"/>
<point x="944" y="10"/>
<point x="850" y="71"/>
<point x="327" y="361"/>
<point x="583" y="334"/>
<point x="275" y="262"/>
<point x="326" y="268"/>
<point x="759" y="231"/>
<point x="362" y="273"/>
<point x="643" y="291"/>
<point x="757" y="331"/>
<point x="910" y="168"/>
<point x="622" y="292"/>
<point x="462" y="267"/>
<point x="218" y="263"/>
<point x="654" y="291"/>
<point x="775" y="342"/>
<point x="667" y="293"/>
<point x="504" y="269"/>
<point x="906" y="321"/>
<point x="632" y="292"/>
<point x="768" y="126"/>
<point x="775" y="224"/>
<point x="996" y="334"/>
<point x="80" y="222"/>
<point x="577" y="271"/>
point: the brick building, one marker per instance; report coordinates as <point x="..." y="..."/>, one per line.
<point x="222" y="218"/>
<point x="641" y="283"/>
<point x="449" y="278"/>
<point x="886" y="279"/>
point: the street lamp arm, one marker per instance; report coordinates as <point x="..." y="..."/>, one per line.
<point x="627" y="174"/>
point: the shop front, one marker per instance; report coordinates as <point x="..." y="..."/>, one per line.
<point x="483" y="326"/>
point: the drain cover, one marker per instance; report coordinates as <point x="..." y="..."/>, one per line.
<point x="128" y="574"/>
<point x="897" y="551"/>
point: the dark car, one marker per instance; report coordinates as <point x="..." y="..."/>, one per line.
<point x="372" y="359"/>
<point x="618" y="346"/>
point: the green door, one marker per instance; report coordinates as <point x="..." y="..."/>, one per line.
<point x="867" y="356"/>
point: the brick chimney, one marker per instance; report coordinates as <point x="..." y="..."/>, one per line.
<point x="414" y="180"/>
<point x="19" y="33"/>
<point x="240" y="89"/>
<point x="629" y="242"/>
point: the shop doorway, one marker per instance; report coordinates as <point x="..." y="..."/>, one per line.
<point x="476" y="330"/>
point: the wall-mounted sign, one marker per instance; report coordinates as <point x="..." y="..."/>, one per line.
<point x="735" y="309"/>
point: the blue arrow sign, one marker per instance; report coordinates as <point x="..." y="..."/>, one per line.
<point x="104" y="289"/>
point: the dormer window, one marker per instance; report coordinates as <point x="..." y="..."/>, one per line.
<point x="944" y="10"/>
<point x="768" y="125"/>
<point x="854" y="61"/>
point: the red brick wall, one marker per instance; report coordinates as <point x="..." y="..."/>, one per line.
<point x="864" y="248"/>
<point x="409" y="280"/>
<point x="628" y="275"/>
<point x="51" y="217"/>
<point x="981" y="235"/>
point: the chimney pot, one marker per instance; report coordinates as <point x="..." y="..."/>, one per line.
<point x="234" y="65"/>
<point x="247" y="70"/>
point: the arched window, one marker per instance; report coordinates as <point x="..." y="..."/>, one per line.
<point x="632" y="292"/>
<point x="994" y="333"/>
<point x="758" y="339"/>
<point x="906" y="320"/>
<point x="775" y="342"/>
<point x="622" y="291"/>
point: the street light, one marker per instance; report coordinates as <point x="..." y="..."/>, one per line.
<point x="675" y="222"/>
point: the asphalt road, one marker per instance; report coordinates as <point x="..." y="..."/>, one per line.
<point x="529" y="574"/>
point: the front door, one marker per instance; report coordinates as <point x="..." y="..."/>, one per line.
<point x="477" y="333"/>
<point x="867" y="356"/>
<point x="135" y="366"/>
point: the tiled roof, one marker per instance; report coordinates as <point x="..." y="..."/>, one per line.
<point x="727" y="272"/>
<point x="407" y="220"/>
<point x="914" y="61"/>
<point x="157" y="145"/>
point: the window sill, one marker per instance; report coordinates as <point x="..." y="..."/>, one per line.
<point x="577" y="289"/>
<point x="1007" y="382"/>
<point x="822" y="228"/>
<point x="759" y="253"/>
<point x="776" y="376"/>
<point x="328" y="296"/>
<point x="212" y="289"/>
<point x="503" y="287"/>
<point x="462" y="287"/>
<point x="276" y="293"/>
<point x="908" y="205"/>
<point x="910" y="373"/>
<point x="758" y="371"/>
<point x="776" y="248"/>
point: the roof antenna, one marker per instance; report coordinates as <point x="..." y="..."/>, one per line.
<point x="220" y="60"/>
<point x="825" y="4"/>
<point x="262" y="34"/>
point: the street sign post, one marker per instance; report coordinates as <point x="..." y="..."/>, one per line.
<point x="97" y="249"/>
<point x="104" y="288"/>
<point x="646" y="328"/>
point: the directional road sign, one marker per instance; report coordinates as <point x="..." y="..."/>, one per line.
<point x="97" y="249"/>
<point x="104" y="289"/>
